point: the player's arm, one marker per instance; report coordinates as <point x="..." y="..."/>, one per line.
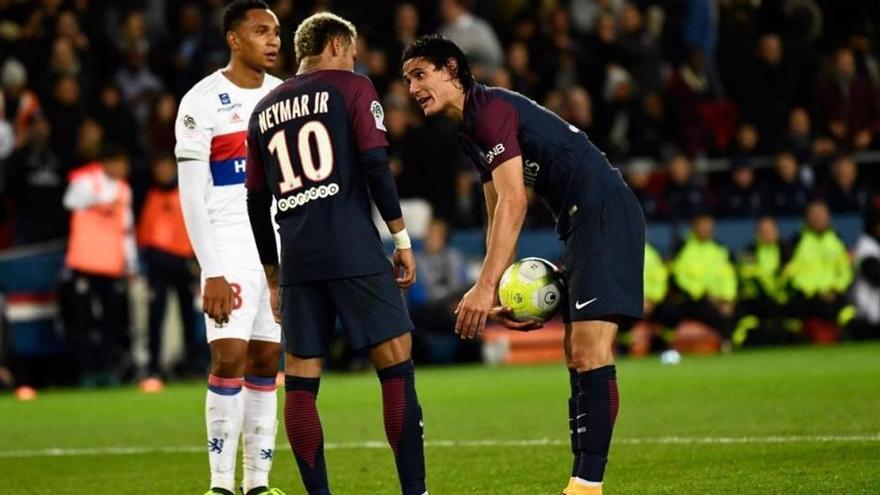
<point x="194" y="178"/>
<point x="495" y="128"/>
<point x="383" y="190"/>
<point x="507" y="215"/>
<point x="367" y="116"/>
<point x="500" y="314"/>
<point x="259" y="206"/>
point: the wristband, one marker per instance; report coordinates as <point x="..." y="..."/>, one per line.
<point x="401" y="240"/>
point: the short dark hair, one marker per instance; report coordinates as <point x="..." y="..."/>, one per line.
<point x="317" y="30"/>
<point x="438" y="50"/>
<point x="236" y="12"/>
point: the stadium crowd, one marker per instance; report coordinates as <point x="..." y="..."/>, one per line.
<point x="727" y="109"/>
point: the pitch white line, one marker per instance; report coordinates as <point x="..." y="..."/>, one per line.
<point x="375" y="444"/>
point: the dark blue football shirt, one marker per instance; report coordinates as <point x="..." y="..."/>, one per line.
<point x="305" y="143"/>
<point x="562" y="165"/>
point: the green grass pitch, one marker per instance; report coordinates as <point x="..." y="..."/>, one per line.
<point x="796" y="420"/>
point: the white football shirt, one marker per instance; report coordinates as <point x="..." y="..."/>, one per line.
<point x="211" y="130"/>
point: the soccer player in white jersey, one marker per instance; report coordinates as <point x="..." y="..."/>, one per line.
<point x="243" y="333"/>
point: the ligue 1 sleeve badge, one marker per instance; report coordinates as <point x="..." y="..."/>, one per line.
<point x="378" y="115"/>
<point x="189" y="122"/>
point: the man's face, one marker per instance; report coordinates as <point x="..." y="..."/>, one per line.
<point x="818" y="218"/>
<point x="433" y="88"/>
<point x="743" y="177"/>
<point x="116" y="167"/>
<point x="768" y="231"/>
<point x="703" y="227"/>
<point x="258" y="39"/>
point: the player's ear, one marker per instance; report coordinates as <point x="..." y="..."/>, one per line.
<point x="452" y="67"/>
<point x="232" y="40"/>
<point x="337" y="46"/>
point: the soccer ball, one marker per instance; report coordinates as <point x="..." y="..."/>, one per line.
<point x="532" y="289"/>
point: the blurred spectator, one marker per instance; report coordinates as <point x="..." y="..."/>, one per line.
<point x="442" y="267"/>
<point x="867" y="63"/>
<point x="684" y="198"/>
<point x="100" y="253"/>
<point x="139" y="85"/>
<point x="132" y="35"/>
<point x="866" y="290"/>
<point x="658" y="311"/>
<point x="600" y="50"/>
<point x="585" y="13"/>
<point x="579" y="108"/>
<point x="846" y="106"/>
<point x="18" y="104"/>
<point x="638" y="176"/>
<point x="620" y="104"/>
<point x="801" y="140"/>
<point x="406" y="30"/>
<point x="701" y="40"/>
<point x="786" y="193"/>
<point x="36" y="183"/>
<point x="768" y="97"/>
<point x="169" y="263"/>
<point x="819" y="271"/>
<point x="845" y="193"/>
<point x="652" y="134"/>
<point x="657" y="307"/>
<point x="67" y="27"/>
<point x="688" y="88"/>
<point x="116" y="119"/>
<point x="740" y="196"/>
<point x="523" y="79"/>
<point x="474" y="35"/>
<point x="762" y="294"/>
<point x="704" y="277"/>
<point x="443" y="277"/>
<point x="562" y="51"/>
<point x="501" y="79"/>
<point x="196" y="42"/>
<point x="745" y="147"/>
<point x="639" y="50"/>
<point x="160" y="130"/>
<point x="90" y="142"/>
<point x="66" y="111"/>
<point x="65" y="61"/>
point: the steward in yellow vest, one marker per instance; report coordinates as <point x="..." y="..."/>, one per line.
<point x="704" y="277"/>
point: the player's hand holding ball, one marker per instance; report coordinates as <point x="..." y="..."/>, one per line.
<point x="530" y="292"/>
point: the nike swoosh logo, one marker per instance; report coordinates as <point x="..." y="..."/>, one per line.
<point x="581" y="305"/>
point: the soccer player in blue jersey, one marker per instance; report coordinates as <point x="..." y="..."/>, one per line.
<point x="317" y="144"/>
<point x="516" y="144"/>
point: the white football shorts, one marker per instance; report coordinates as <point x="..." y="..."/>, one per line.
<point x="251" y="317"/>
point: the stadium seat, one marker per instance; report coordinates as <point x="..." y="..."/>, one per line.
<point x="501" y="345"/>
<point x="694" y="337"/>
<point x="821" y="331"/>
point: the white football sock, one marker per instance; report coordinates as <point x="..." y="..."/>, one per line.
<point x="223" y="416"/>
<point x="259" y="428"/>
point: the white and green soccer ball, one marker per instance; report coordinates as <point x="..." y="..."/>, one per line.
<point x="532" y="289"/>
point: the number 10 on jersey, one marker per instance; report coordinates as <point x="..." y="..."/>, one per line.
<point x="314" y="170"/>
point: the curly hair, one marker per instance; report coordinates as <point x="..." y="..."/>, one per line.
<point x="316" y="31"/>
